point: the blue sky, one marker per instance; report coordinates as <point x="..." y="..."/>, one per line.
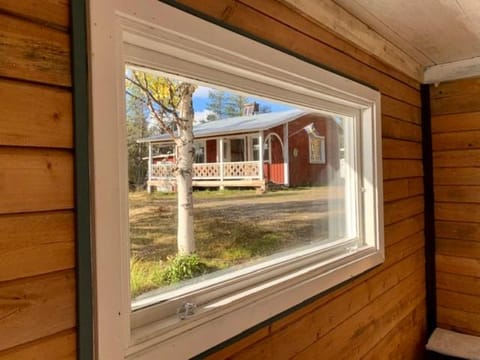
<point x="200" y="100"/>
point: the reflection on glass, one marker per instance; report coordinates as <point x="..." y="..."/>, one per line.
<point x="247" y="207"/>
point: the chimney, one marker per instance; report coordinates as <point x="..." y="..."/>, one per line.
<point x="251" y="109"/>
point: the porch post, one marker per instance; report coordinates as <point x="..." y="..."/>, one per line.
<point x="222" y="187"/>
<point x="260" y="155"/>
<point x="149" y="187"/>
<point x="286" y="160"/>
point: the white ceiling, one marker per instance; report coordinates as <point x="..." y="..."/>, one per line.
<point x="431" y="31"/>
<point x="430" y="40"/>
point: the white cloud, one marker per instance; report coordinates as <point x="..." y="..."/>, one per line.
<point x="202" y="115"/>
<point x="201" y="92"/>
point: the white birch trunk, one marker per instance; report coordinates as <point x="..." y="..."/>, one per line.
<point x="185" y="236"/>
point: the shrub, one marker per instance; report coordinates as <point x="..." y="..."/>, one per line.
<point x="183" y="267"/>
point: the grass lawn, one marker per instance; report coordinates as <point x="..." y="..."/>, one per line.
<point x="231" y="227"/>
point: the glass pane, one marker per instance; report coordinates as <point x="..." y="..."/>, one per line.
<point x="244" y="212"/>
<point x="199" y="150"/>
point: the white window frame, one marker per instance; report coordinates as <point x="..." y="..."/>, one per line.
<point x="322" y="149"/>
<point x="147" y="32"/>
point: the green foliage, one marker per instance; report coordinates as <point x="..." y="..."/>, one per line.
<point x="183" y="267"/>
<point x="224" y="104"/>
<point x="144" y="276"/>
<point x="137" y="128"/>
<point x="163" y="98"/>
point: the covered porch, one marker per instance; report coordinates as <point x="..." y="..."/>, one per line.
<point x="243" y="160"/>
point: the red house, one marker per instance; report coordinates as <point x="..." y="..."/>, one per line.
<point x="289" y="148"/>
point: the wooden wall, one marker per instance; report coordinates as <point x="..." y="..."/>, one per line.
<point x="37" y="278"/>
<point x="376" y="316"/>
<point x="456" y="158"/>
<point x="381" y="314"/>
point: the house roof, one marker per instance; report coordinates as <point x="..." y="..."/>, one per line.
<point x="238" y="124"/>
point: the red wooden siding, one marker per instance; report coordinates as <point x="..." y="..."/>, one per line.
<point x="302" y="173"/>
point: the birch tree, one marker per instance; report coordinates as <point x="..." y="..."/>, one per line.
<point x="170" y="104"/>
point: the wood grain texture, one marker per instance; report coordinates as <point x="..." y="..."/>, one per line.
<point x="33" y="180"/>
<point x="455" y="129"/>
<point x="400" y="110"/>
<point x="461" y="248"/>
<point x="36" y="243"/>
<point x="37" y="249"/>
<point x="331" y="315"/>
<point x="334" y="17"/>
<point x="401" y="244"/>
<point x="456" y="140"/>
<point x="458" y="301"/>
<point x="457" y="230"/>
<point x="402" y="209"/>
<point x="399" y="129"/>
<point x="458" y="283"/>
<point x="401" y="169"/>
<point x="456" y="176"/>
<point x="36" y="307"/>
<point x="450" y="89"/>
<point x="35" y="115"/>
<point x="455" y="122"/>
<point x="457" y="193"/>
<point x="33" y="52"/>
<point x="401" y="189"/>
<point x="227" y="352"/>
<point x="240" y="16"/>
<point x="401" y="149"/>
<point x="360" y="325"/>
<point x="458" y="320"/>
<point x="456" y="158"/>
<point x="372" y="307"/>
<point x="405" y="341"/>
<point x="457" y="212"/>
<point x="403" y="229"/>
<point x="47" y="12"/>
<point x="460" y="104"/>
<point x="284" y="14"/>
<point x="61" y="346"/>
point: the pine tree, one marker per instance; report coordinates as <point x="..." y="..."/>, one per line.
<point x="216" y="103"/>
<point x="225" y="105"/>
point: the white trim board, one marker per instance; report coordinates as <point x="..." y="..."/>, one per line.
<point x="452" y="71"/>
<point x="397" y="53"/>
<point x="152" y="34"/>
<point x="454" y="344"/>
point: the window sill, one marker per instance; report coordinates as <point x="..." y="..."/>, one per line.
<point x="224" y="318"/>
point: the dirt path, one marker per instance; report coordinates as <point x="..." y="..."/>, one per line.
<point x="293" y="216"/>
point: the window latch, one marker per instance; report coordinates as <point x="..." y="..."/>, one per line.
<point x="352" y="249"/>
<point x="186" y="310"/>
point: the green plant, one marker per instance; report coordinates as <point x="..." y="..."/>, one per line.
<point x="144" y="276"/>
<point x="183" y="267"/>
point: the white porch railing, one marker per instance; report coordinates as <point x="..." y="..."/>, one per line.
<point x="211" y="171"/>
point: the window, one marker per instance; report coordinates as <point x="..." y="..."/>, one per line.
<point x="256" y="148"/>
<point x="200" y="155"/>
<point x="340" y="241"/>
<point x="317" y="149"/>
